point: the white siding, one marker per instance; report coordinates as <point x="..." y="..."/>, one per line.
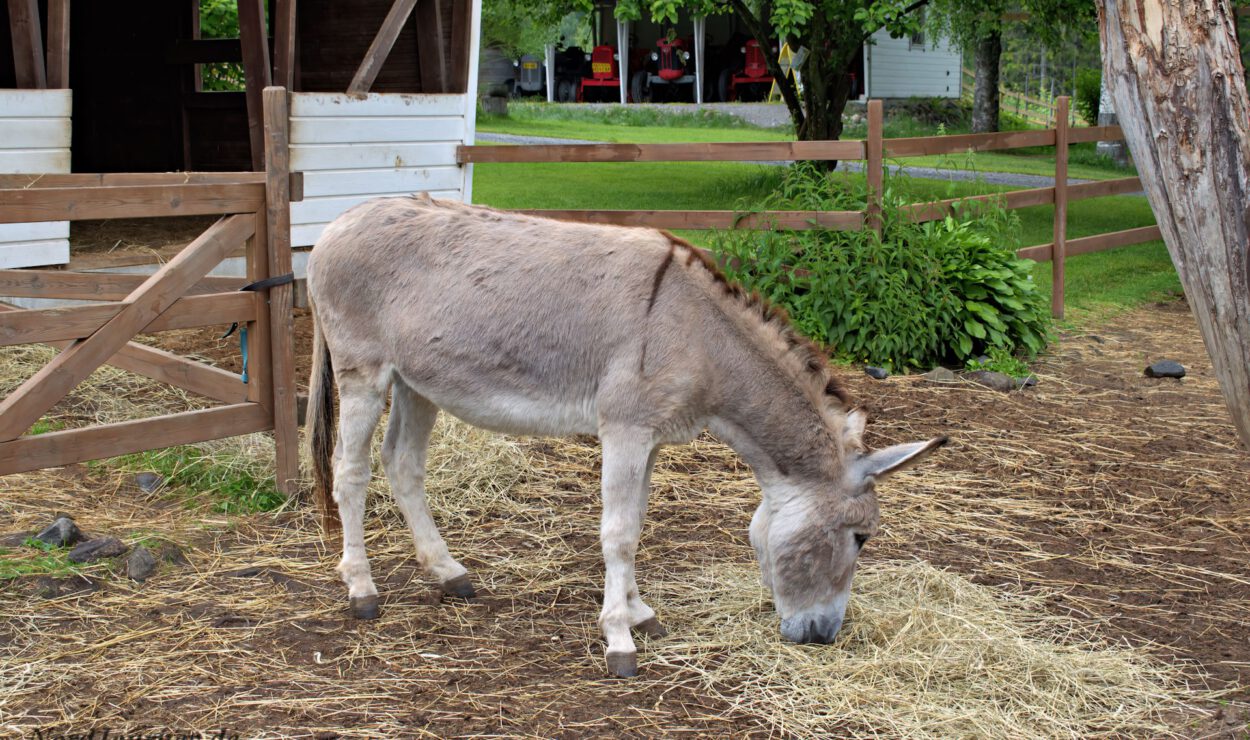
<point x="34" y="138"/>
<point x="899" y="69"/>
<point x="351" y="149"/>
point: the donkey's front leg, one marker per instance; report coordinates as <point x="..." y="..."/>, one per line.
<point x="628" y="454"/>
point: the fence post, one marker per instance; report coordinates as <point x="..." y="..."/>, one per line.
<point x="281" y="303"/>
<point x="874" y="167"/>
<point x="1058" y="246"/>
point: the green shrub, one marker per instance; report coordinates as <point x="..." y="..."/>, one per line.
<point x="1088" y="94"/>
<point x="921" y="294"/>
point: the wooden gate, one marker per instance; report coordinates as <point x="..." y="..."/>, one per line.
<point x="255" y="215"/>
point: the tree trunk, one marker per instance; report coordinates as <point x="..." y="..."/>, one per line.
<point x="1177" y="81"/>
<point x="985" y="88"/>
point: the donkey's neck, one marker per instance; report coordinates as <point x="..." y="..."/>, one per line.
<point x="769" y="419"/>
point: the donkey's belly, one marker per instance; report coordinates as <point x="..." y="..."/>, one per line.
<point x="515" y="413"/>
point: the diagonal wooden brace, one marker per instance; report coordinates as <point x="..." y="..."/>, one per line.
<point x="23" y="407"/>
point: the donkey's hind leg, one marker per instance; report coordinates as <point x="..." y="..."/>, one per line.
<point x="403" y="456"/>
<point x="361" y="399"/>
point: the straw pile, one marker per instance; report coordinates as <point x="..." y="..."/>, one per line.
<point x="990" y="641"/>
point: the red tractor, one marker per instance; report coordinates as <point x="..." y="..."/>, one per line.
<point x="667" y="73"/>
<point x="750" y="81"/>
<point x="604" y="82"/>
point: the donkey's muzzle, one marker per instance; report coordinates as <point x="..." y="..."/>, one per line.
<point x="804" y="628"/>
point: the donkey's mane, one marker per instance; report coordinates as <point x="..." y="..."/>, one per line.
<point x="806" y="360"/>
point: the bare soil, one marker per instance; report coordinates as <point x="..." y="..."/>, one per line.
<point x="1124" y="498"/>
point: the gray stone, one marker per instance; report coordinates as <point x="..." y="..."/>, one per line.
<point x="62" y="532"/>
<point x="1166" y="369"/>
<point x="140" y="565"/>
<point x="149" y="482"/>
<point x="941" y="375"/>
<point x="100" y="547"/>
<point x="1028" y="381"/>
<point x="171" y="553"/>
<point x="989" y="379"/>
<point x="876" y="373"/>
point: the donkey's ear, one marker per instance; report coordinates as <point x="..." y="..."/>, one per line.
<point x="893" y="459"/>
<point x="853" y="432"/>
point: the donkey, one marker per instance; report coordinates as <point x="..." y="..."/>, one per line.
<point x="527" y="325"/>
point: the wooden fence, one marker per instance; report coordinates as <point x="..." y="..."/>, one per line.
<point x="255" y="217"/>
<point x="1039" y="112"/>
<point x="874" y="150"/>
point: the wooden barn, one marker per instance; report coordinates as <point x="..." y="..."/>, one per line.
<point x="380" y="98"/>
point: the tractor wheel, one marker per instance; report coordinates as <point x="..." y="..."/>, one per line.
<point x="639" y="90"/>
<point x="724" y="86"/>
<point x="565" y="92"/>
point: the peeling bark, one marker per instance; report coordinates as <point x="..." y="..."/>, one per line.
<point x="1176" y="77"/>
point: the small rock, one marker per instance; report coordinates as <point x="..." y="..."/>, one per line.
<point x="54" y="588"/>
<point x="941" y="375"/>
<point x="61" y="533"/>
<point x="1095" y="338"/>
<point x="149" y="482"/>
<point x="140" y="565"/>
<point x="1027" y="382"/>
<point x="1166" y="369"/>
<point x="171" y="553"/>
<point x="249" y="572"/>
<point x="983" y="359"/>
<point x="100" y="547"/>
<point x="876" y="373"/>
<point x="995" y="381"/>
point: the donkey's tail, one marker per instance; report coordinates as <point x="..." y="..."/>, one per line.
<point x="320" y="423"/>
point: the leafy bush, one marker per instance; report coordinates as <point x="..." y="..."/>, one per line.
<point x="921" y="294"/>
<point x="1088" y="94"/>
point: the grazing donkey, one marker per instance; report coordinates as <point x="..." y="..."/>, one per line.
<point x="531" y="326"/>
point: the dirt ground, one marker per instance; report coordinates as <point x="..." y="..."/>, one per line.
<point x="1123" y="499"/>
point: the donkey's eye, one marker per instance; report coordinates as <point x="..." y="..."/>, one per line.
<point x="860" y="539"/>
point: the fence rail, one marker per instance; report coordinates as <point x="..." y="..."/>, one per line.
<point x="873" y="150"/>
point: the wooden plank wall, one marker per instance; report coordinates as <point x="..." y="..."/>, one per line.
<point x="34" y="137"/>
<point x="351" y="149"/>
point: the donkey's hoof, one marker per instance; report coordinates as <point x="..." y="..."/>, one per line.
<point x="459" y="587"/>
<point x="651" y="628"/>
<point x="365" y="607"/>
<point x="624" y="665"/>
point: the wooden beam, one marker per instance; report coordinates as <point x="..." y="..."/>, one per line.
<point x="75" y="322"/>
<point x="254" y="39"/>
<point x="795" y="220"/>
<point x="110" y="440"/>
<point x="166" y="367"/>
<point x="1099" y="188"/>
<point x="461" y="39"/>
<point x="1095" y="243"/>
<point x="93" y="286"/>
<point x="281" y="301"/>
<point x="27" y="37"/>
<point x="1011" y="199"/>
<point x="431" y="51"/>
<point x="284" y="39"/>
<point x="925" y="145"/>
<point x="1095" y="133"/>
<point x="380" y="49"/>
<point x="788" y="151"/>
<point x="58" y="44"/>
<point x="46" y="388"/>
<point x="114" y="179"/>
<point x="874" y="169"/>
<point x="127" y="201"/>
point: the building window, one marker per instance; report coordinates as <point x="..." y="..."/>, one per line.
<point x="916" y="40"/>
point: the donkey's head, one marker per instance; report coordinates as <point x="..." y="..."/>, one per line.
<point x="807" y="534"/>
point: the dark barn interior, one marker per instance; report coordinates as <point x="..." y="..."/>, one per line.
<point x="134" y="68"/>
